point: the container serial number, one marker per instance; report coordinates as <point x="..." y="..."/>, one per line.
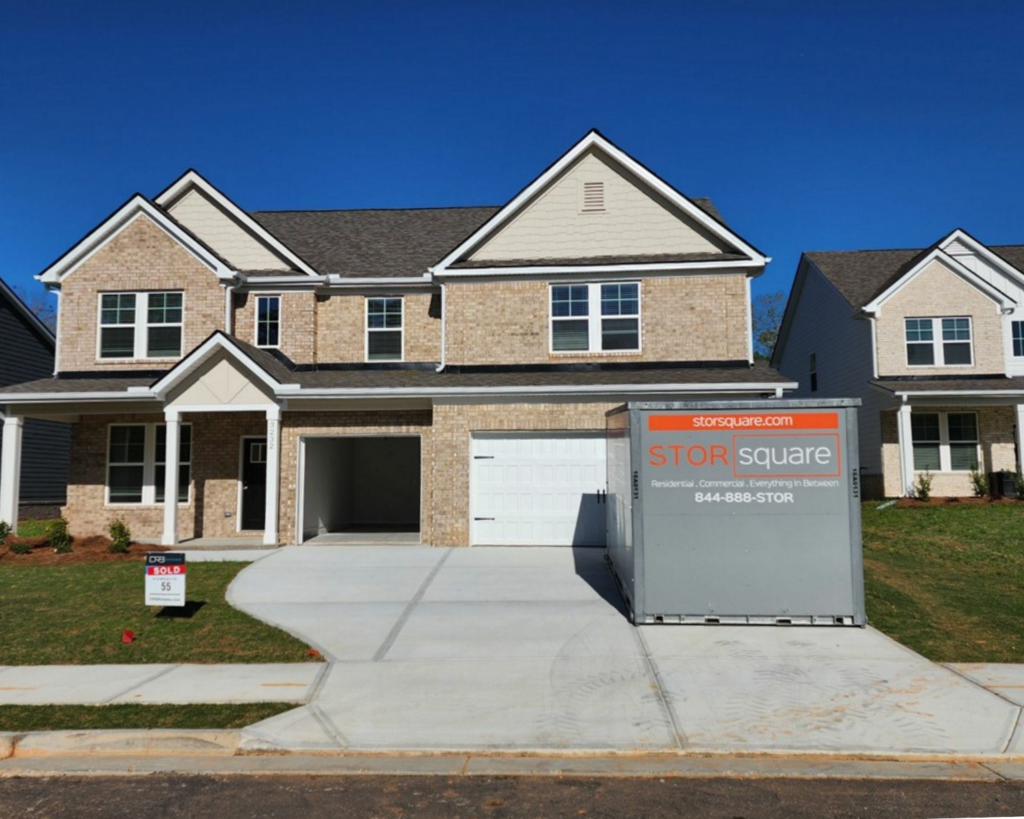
<point x="744" y="497"/>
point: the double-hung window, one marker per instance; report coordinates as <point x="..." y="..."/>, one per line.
<point x="384" y="329"/>
<point x="945" y="441"/>
<point x="938" y="342"/>
<point x="141" y="325"/>
<point x="595" y="317"/>
<point x="137" y="463"/>
<point x="268" y="321"/>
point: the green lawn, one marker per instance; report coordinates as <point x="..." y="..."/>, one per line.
<point x="76" y="614"/>
<point x="22" y="718"/>
<point x="948" y="580"/>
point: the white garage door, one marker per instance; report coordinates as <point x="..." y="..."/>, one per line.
<point x="535" y="489"/>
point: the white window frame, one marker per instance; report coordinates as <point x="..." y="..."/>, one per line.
<point x="594" y="326"/>
<point x="368" y="330"/>
<point x="945" y="453"/>
<point x="148" y="468"/>
<point x="140" y="329"/>
<point x="1014" y="324"/>
<point x="937" y="342"/>
<point x="256" y="322"/>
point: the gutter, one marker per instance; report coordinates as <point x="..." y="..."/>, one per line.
<point x="632" y="269"/>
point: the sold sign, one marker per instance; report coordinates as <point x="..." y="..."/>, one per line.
<point x="165" y="579"/>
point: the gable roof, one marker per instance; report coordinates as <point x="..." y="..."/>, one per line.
<point x="23" y="309"/>
<point x="862" y="275"/>
<point x="376" y="242"/>
<point x="595" y="142"/>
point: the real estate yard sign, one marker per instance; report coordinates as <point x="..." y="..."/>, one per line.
<point x="165" y="578"/>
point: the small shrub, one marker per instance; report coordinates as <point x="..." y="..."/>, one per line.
<point x="5" y="531"/>
<point x="58" y="536"/>
<point x="979" y="483"/>
<point x="1018" y="484"/>
<point x="20" y="547"/>
<point x="923" y="486"/>
<point x="120" y="537"/>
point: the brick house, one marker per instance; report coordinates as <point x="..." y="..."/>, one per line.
<point x="931" y="340"/>
<point x="440" y="374"/>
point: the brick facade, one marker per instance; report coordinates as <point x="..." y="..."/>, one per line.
<point x="684" y="318"/>
<point x="341" y="327"/>
<point x="936" y="292"/>
<point x="298" y="323"/>
<point x="998" y="452"/>
<point x="141" y="257"/>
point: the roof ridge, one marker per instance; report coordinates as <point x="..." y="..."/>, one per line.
<point x="374" y="210"/>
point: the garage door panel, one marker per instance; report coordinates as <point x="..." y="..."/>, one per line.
<point x="538" y="489"/>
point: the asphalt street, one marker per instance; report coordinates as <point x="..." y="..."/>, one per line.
<point x="413" y="797"/>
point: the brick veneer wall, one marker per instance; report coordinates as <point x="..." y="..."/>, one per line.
<point x="212" y="508"/>
<point x="298" y="323"/>
<point x="396" y="422"/>
<point x="995" y="428"/>
<point x="341" y="328"/>
<point x="453" y="426"/>
<point x="141" y="257"/>
<point x="936" y="292"/>
<point x="683" y="318"/>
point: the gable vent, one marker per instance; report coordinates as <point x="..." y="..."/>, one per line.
<point x="593" y="197"/>
<point x="957" y="248"/>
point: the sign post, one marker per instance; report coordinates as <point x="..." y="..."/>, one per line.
<point x="165" y="578"/>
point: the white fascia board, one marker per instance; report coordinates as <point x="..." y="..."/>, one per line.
<point x="334" y="280"/>
<point x="251" y="283"/>
<point x="973" y="394"/>
<point x="996" y="261"/>
<point x="136" y="206"/>
<point x="203" y="352"/>
<point x="64" y="397"/>
<point x="192" y="179"/>
<point x="590" y="390"/>
<point x="595" y="140"/>
<point x="631" y="269"/>
<point x="1005" y="302"/>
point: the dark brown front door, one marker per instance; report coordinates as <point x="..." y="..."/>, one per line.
<point x="254" y="483"/>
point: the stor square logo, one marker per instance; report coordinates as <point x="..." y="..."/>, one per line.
<point x="792" y="455"/>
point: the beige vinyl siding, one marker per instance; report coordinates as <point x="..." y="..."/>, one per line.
<point x="225" y="235"/>
<point x="634" y="222"/>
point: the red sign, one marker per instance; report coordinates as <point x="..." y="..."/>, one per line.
<point x="178" y="569"/>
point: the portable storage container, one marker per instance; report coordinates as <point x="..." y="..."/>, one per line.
<point x="737" y="511"/>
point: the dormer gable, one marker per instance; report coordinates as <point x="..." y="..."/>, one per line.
<point x="597" y="209"/>
<point x="247" y="245"/>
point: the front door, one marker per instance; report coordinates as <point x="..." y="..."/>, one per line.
<point x="254" y="483"/>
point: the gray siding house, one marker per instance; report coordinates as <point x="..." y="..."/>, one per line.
<point x="26" y="353"/>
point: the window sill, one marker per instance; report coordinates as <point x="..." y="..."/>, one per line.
<point x="135" y="360"/>
<point x="126" y="505"/>
<point x="594" y="353"/>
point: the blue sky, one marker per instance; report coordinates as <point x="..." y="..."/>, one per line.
<point x="813" y="125"/>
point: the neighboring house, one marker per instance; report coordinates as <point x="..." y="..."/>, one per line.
<point x="42" y="470"/>
<point x="931" y="340"/>
<point x="442" y="373"/>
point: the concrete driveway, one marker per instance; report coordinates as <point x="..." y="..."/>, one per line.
<point x="528" y="649"/>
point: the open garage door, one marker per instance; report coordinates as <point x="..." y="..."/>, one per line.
<point x="538" y="489"/>
<point x="361" y="485"/>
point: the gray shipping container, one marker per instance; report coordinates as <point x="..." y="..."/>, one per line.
<point x="737" y="511"/>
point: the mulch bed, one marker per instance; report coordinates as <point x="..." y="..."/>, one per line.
<point x="83" y="550"/>
<point x="911" y="503"/>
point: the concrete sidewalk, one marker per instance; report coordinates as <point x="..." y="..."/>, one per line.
<point x="519" y="651"/>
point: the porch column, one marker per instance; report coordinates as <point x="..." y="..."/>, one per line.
<point x="172" y="420"/>
<point x="10" y="471"/>
<point x="1019" y="411"/>
<point x="905" y="437"/>
<point x="273" y="475"/>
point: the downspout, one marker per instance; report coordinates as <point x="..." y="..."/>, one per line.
<point x="444" y="327"/>
<point x="56" y="345"/>
<point x="228" y="313"/>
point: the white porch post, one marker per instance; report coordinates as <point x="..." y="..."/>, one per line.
<point x="273" y="475"/>
<point x="10" y="471"/>
<point x="1019" y="410"/>
<point x="905" y="438"/>
<point x="172" y="420"/>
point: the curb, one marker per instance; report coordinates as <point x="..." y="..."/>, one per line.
<point x="135" y="743"/>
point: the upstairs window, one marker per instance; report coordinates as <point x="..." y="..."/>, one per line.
<point x="938" y="342"/>
<point x="141" y="325"/>
<point x="268" y="321"/>
<point x="595" y="317"/>
<point x="384" y="329"/>
<point x="1018" y="338"/>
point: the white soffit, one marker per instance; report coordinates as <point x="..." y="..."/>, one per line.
<point x="595" y="141"/>
<point x="192" y="179"/>
<point x="135" y="207"/>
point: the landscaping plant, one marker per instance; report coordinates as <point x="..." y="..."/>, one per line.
<point x="120" y="537"/>
<point x="979" y="483"/>
<point x="5" y="531"/>
<point x="923" y="486"/>
<point x="58" y="536"/>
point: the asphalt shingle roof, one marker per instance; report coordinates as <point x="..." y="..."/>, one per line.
<point x="994" y="383"/>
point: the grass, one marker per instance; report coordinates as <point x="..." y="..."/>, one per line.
<point x="33" y="528"/>
<point x="948" y="580"/>
<point x="75" y="614"/>
<point x="21" y="718"/>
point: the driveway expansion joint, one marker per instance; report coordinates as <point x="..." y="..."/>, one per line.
<point x="403" y="618"/>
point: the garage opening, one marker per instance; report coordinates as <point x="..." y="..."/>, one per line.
<point x="361" y="489"/>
